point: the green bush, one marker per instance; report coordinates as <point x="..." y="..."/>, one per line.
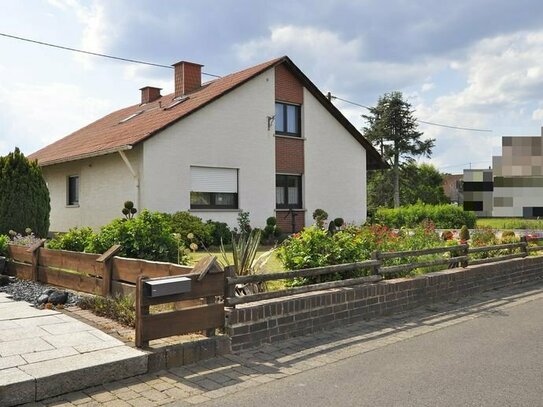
<point x="148" y="236"/>
<point x="244" y="223"/>
<point x="76" y="240"/>
<point x="314" y="247"/>
<point x="443" y="216"/>
<point x="24" y="197"/>
<point x="220" y="232"/>
<point x="4" y="241"/>
<point x="464" y="233"/>
<point x="484" y="237"/>
<point x="320" y="216"/>
<point x="271" y="231"/>
<point x="339" y="222"/>
<point x="184" y="223"/>
<point x="508" y="236"/>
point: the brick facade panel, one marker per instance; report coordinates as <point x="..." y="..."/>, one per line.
<point x="284" y="221"/>
<point x="289" y="155"/>
<point x="287" y="87"/>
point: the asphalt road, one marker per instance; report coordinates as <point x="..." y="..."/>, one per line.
<point x="493" y="360"/>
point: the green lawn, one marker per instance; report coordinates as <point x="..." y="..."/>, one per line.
<point x="510" y="223"/>
<point x="273" y="264"/>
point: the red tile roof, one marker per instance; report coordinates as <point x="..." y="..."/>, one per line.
<point x="110" y="134"/>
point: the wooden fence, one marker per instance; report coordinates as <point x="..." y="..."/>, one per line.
<point x="207" y="288"/>
<point x="107" y="274"/>
<point x="201" y="308"/>
<point x="452" y="256"/>
<point x="101" y="274"/>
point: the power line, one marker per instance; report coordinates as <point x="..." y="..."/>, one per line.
<point x="420" y="121"/>
<point x="455" y="127"/>
<point x="461" y="165"/>
<point x="96" y="54"/>
<point x="348" y="101"/>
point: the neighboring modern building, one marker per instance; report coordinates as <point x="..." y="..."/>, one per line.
<point x="514" y="187"/>
<point x="263" y="140"/>
<point x="477" y="190"/>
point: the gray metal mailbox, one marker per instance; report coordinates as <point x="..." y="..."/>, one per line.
<point x="167" y="286"/>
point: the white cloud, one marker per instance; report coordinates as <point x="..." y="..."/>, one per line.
<point x="97" y="32"/>
<point x="427" y="87"/>
<point x="537" y="114"/>
<point x="504" y="81"/>
<point x="309" y="41"/>
<point x="333" y="62"/>
<point x="39" y="115"/>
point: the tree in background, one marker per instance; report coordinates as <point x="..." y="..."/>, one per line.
<point x="422" y="183"/>
<point x="24" y="197"/>
<point x="392" y="129"/>
<point x="418" y="183"/>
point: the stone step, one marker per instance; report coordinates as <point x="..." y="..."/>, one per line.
<point x="41" y="380"/>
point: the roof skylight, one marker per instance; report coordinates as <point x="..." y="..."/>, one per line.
<point x="132" y="116"/>
<point x="176" y="102"/>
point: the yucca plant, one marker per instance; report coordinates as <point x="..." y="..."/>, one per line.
<point x="244" y="250"/>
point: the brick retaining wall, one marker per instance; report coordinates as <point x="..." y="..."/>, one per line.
<point x="253" y="324"/>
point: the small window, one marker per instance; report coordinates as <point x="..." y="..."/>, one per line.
<point x="72" y="195"/>
<point x="287" y="119"/>
<point x="473" y="206"/>
<point x="288" y="191"/>
<point x="213" y="188"/>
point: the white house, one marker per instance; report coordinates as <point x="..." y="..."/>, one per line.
<point x="263" y="140"/>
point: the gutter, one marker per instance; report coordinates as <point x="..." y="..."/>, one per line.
<point x="86" y="155"/>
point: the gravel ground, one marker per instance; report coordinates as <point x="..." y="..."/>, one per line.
<point x="25" y="290"/>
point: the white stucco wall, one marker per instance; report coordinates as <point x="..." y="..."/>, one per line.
<point x="231" y="132"/>
<point x="335" y="166"/>
<point x="105" y="183"/>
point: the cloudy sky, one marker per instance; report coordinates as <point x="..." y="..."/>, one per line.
<point x="467" y="63"/>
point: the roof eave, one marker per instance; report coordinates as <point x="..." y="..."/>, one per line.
<point x="86" y="155"/>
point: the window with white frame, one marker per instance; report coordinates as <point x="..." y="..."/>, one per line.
<point x="213" y="188"/>
<point x="72" y="190"/>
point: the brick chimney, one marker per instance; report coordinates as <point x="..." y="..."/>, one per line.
<point x="150" y="94"/>
<point x="188" y="77"/>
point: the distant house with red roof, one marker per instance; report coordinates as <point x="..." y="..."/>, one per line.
<point x="263" y="140"/>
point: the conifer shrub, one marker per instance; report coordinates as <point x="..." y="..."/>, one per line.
<point x="24" y="197"/>
<point x="271" y="231"/>
<point x="464" y="233"/>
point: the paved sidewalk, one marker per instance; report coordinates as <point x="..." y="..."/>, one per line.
<point x="44" y="353"/>
<point x="216" y="378"/>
